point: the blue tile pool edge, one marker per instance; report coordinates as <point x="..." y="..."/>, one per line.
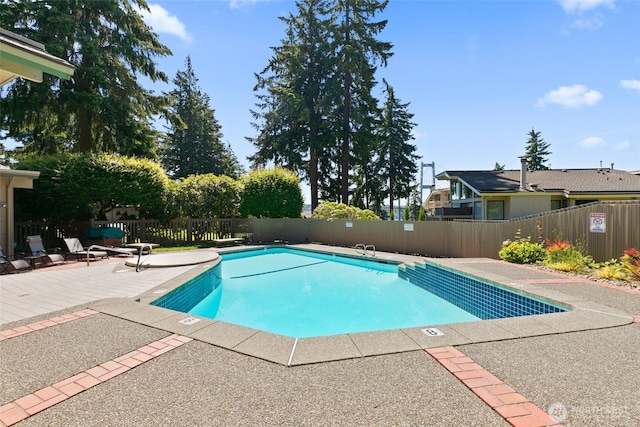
<point x="482" y="298"/>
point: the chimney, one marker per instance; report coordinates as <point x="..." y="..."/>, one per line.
<point x="523" y="173"/>
<point x="611" y="166"/>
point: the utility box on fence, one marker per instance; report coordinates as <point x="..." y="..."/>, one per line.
<point x="105" y="236"/>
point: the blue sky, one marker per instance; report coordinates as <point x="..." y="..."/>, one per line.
<point x="478" y="75"/>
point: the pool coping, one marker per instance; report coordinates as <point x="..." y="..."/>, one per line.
<point x="584" y="315"/>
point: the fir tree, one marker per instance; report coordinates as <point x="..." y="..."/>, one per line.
<point x="193" y="144"/>
<point x="103" y="107"/>
<point x="398" y="160"/>
<point x="292" y="106"/>
<point x="537" y="151"/>
<point x="357" y="50"/>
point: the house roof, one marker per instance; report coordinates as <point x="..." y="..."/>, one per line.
<point x="22" y="57"/>
<point x="568" y="181"/>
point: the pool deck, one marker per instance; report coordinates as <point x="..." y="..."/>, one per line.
<point x="81" y="346"/>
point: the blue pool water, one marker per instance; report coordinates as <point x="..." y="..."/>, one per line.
<point x="302" y="294"/>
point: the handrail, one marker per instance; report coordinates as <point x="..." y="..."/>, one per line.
<point x="142" y="246"/>
<point x="121" y="251"/>
<point x="370" y="247"/>
<point x="362" y="247"/>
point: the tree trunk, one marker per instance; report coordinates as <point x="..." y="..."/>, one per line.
<point x="313" y="178"/>
<point x="344" y="185"/>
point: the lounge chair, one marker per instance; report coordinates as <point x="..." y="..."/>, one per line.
<point x="12" y="266"/>
<point x="40" y="254"/>
<point x="76" y="248"/>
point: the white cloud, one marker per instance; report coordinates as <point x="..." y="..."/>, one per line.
<point x="237" y="4"/>
<point x="579" y="6"/>
<point x="571" y="97"/>
<point x="161" y="21"/>
<point x="630" y="84"/>
<point x="588" y="24"/>
<point x="623" y="145"/>
<point x="592" y="142"/>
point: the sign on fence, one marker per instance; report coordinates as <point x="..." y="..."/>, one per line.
<point x="598" y="222"/>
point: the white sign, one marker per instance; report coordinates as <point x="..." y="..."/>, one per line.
<point x="433" y="332"/>
<point x="598" y="222"/>
<point x="349" y="224"/>
<point x="408" y="227"/>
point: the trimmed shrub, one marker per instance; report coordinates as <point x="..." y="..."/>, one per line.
<point x="333" y="210"/>
<point x="274" y="193"/>
<point x="522" y="251"/>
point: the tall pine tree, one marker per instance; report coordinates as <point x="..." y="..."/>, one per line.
<point x="193" y="144"/>
<point x="315" y="111"/>
<point x="357" y="51"/>
<point x="103" y="107"/>
<point x="537" y="151"/>
<point x="398" y="159"/>
<point x="291" y="125"/>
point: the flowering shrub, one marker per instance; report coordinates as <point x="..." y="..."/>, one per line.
<point x="562" y="255"/>
<point x="521" y="250"/>
<point x="631" y="262"/>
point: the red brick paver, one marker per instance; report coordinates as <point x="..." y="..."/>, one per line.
<point x="512" y="406"/>
<point x="36" y="326"/>
<point x="42" y="399"/>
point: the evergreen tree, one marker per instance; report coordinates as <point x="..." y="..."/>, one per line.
<point x="315" y="111"/>
<point x="291" y="125"/>
<point x="193" y="143"/>
<point x="537" y="151"/>
<point x="397" y="155"/>
<point x="357" y="50"/>
<point x="415" y="204"/>
<point x="498" y="167"/>
<point x="103" y="107"/>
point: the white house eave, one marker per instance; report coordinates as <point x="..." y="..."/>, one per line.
<point x="21" y="57"/>
<point x="16" y="173"/>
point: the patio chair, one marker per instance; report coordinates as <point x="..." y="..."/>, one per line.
<point x="12" y="266"/>
<point x="40" y="254"/>
<point x="76" y="248"/>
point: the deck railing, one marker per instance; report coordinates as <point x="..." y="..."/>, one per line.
<point x="177" y="232"/>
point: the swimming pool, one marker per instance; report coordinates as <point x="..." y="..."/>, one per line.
<point x="305" y="294"/>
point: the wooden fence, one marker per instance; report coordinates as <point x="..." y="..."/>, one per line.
<point x="177" y="232"/>
<point x="458" y="238"/>
<point x="469" y="238"/>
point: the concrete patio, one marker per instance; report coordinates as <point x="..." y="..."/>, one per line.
<point x="115" y="361"/>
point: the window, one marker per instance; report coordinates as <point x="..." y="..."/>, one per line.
<point x="477" y="210"/>
<point x="495" y="209"/>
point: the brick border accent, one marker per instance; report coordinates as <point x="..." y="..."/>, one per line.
<point x="47" y="397"/>
<point x="43" y="324"/>
<point x="512" y="406"/>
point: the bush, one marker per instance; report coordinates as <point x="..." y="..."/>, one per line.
<point x="563" y="256"/>
<point x="333" y="210"/>
<point x="82" y="186"/>
<point x="612" y="269"/>
<point x="631" y="262"/>
<point x="522" y="251"/>
<point x="208" y="196"/>
<point x="272" y="193"/>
